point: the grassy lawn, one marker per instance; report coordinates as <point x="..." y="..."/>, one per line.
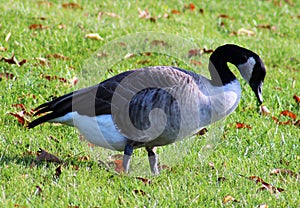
<point x="53" y="39"/>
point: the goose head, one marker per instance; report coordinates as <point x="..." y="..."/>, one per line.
<point x="253" y="71"/>
<point x="249" y="64"/>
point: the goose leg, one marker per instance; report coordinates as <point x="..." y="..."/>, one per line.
<point x="153" y="160"/>
<point x="127" y="156"/>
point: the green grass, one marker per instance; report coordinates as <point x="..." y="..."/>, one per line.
<point x="190" y="182"/>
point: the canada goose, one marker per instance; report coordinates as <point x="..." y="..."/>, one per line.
<point x="156" y="106"/>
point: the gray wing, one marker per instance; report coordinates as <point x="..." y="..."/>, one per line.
<point x="160" y="106"/>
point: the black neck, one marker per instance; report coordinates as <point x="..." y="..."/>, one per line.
<point x="218" y="68"/>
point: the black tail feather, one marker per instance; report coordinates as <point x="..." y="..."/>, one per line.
<point x="42" y="119"/>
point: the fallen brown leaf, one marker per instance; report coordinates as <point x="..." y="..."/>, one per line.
<point x="46" y="3"/>
<point x="267" y="26"/>
<point x="278" y="171"/>
<point x="103" y="54"/>
<point x="13" y="60"/>
<point x="146" y="181"/>
<point x="38" y="27"/>
<point x="7" y="76"/>
<point x="174" y="11"/>
<point x="239" y="125"/>
<point x="196" y="63"/>
<point x="84" y="158"/>
<point x="202" y="132"/>
<point x="43" y="155"/>
<point x="190" y="7"/>
<point x="221" y="179"/>
<point x="51" y="78"/>
<point x="147" y="61"/>
<point x="207" y="51"/>
<point x="163" y="167"/>
<point x="57" y="172"/>
<point x="296" y="98"/>
<point x="139" y="191"/>
<point x="297" y="123"/>
<point x="265" y="185"/>
<point x="57" y="56"/>
<point x="194" y="52"/>
<point x="158" y="43"/>
<point x="71" y="5"/>
<point x="19" y="105"/>
<point x="288" y="114"/>
<point x="229" y="198"/>
<point x="225" y="16"/>
<point x="21" y="118"/>
<point x="110" y="14"/>
<point x="119" y="166"/>
<point x="43" y="61"/>
<point x="234" y="33"/>
<point x="54" y="138"/>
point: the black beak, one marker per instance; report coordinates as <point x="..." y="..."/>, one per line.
<point x="257" y="89"/>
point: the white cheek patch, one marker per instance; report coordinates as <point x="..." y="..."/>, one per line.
<point x="246" y="69"/>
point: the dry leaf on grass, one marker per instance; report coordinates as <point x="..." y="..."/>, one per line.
<point x="158" y="43"/>
<point x="265" y="186"/>
<point x="13" y="60"/>
<point x="42" y="61"/>
<point x="278" y="171"/>
<point x="244" y="31"/>
<point x="196" y="63"/>
<point x="110" y="14"/>
<point x="225" y="16"/>
<point x="267" y="26"/>
<point x="7" y="76"/>
<point x="190" y="7"/>
<point x="57" y="56"/>
<point x="139" y="191"/>
<point x="296" y="98"/>
<point x="21" y="118"/>
<point x="45" y="3"/>
<point x="71" y="5"/>
<point x="194" y="52"/>
<point x="146" y="181"/>
<point x="147" y="61"/>
<point x="174" y="11"/>
<point x="288" y="114"/>
<point x="94" y="36"/>
<point x="43" y="155"/>
<point x="118" y="166"/>
<point x="57" y="172"/>
<point x="229" y="198"/>
<point x="240" y="125"/>
<point x="38" y="27"/>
